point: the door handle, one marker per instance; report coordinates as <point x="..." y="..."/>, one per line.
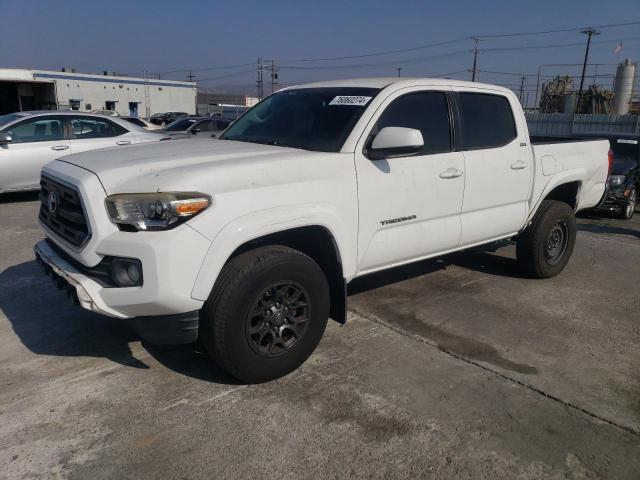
<point x="123" y="142"/>
<point x="451" y="173"/>
<point x="519" y="165"/>
<point x="60" y="147"/>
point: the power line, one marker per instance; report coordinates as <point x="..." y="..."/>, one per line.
<point x="377" y="64"/>
<point x="205" y="69"/>
<point x="457" y="40"/>
<point x="230" y="75"/>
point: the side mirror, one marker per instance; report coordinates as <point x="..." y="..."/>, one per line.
<point x="5" y="138"/>
<point x="396" y="141"/>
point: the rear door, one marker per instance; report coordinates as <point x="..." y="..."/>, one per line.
<point x="36" y="142"/>
<point x="90" y="133"/>
<point x="498" y="166"/>
<point x="409" y="207"/>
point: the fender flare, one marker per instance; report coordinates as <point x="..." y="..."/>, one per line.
<point x="562" y="178"/>
<point x="265" y="222"/>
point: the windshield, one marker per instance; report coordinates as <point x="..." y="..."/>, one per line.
<point x="180" y="125"/>
<point x="318" y="119"/>
<point x="9" y="118"/>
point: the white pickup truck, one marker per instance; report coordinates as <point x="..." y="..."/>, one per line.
<point x="247" y="242"/>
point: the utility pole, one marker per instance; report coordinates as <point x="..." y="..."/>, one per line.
<point x="259" y="82"/>
<point x="399" y="70"/>
<point x="522" y="88"/>
<point x="589" y="32"/>
<point x="274" y="75"/>
<point x="190" y="76"/>
<point x="475" y="59"/>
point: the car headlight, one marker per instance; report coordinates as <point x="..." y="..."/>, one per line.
<point x="155" y="211"/>
<point x="616" y="180"/>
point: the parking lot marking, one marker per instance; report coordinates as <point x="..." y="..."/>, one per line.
<point x="568" y="404"/>
<point x="475" y="281"/>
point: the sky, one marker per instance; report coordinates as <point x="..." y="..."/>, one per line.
<point x="169" y="37"/>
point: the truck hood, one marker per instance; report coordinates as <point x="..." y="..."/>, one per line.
<point x="178" y="165"/>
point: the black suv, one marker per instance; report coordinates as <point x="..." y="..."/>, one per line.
<point x="166" y="118"/>
<point x="623" y="183"/>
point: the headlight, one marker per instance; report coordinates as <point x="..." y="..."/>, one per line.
<point x="616" y="180"/>
<point x="155" y="211"/>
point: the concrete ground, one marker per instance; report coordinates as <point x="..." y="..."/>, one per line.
<point x="451" y="368"/>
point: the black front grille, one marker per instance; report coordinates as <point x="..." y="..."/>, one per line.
<point x="62" y="212"/>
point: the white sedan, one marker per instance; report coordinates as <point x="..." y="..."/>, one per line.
<point x="29" y="140"/>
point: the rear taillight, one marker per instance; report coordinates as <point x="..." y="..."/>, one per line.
<point x="610" y="157"/>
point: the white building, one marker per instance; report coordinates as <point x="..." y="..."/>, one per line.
<point x="22" y="89"/>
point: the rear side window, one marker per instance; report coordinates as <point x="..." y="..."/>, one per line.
<point x="90" y="127"/>
<point x="487" y="121"/>
<point x="424" y="111"/>
<point x="135" y="121"/>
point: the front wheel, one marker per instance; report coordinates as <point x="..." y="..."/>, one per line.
<point x="545" y="246"/>
<point x="266" y="314"/>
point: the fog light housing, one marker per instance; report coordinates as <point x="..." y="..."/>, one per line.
<point x="126" y="272"/>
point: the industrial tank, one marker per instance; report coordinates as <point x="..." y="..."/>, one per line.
<point x="623" y="87"/>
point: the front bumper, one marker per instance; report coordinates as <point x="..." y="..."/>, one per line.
<point x="613" y="200"/>
<point x="171" y="329"/>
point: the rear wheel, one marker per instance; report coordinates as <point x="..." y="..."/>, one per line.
<point x="630" y="207"/>
<point x="545" y="246"/>
<point x="266" y="313"/>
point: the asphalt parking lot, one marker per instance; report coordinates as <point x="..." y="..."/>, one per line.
<point x="449" y="368"/>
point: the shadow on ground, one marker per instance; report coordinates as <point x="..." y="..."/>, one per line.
<point x="19" y="197"/>
<point x="608" y="230"/>
<point x="47" y="323"/>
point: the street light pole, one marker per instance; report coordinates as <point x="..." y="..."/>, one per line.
<point x="589" y="32"/>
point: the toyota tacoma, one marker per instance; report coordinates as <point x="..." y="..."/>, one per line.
<point x="246" y="243"/>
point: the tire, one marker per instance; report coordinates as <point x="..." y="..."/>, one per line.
<point x="258" y="347"/>
<point x="545" y="246"/>
<point x="627" y="211"/>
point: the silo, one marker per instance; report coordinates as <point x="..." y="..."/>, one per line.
<point x="623" y="87"/>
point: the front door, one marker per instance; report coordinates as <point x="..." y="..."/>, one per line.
<point x="409" y="207"/>
<point x="36" y="142"/>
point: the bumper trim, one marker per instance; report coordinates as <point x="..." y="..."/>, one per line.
<point x="169" y="329"/>
<point x="62" y="270"/>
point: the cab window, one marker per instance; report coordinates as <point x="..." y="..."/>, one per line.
<point x="487" y="121"/>
<point x="424" y="111"/>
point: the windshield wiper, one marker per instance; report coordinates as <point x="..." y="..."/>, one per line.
<point x="262" y="141"/>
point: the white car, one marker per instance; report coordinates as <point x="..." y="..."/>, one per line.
<point x="29" y="140"/>
<point x="248" y="242"/>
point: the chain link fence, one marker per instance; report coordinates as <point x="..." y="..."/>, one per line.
<point x="564" y="124"/>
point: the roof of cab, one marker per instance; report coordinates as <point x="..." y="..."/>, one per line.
<point x="382" y="82"/>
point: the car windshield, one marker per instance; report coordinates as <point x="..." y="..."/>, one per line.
<point x="4" y="119"/>
<point x="180" y="125"/>
<point x="317" y="119"/>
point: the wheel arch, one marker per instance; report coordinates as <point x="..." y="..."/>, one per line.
<point x="566" y="189"/>
<point x="316" y="240"/>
